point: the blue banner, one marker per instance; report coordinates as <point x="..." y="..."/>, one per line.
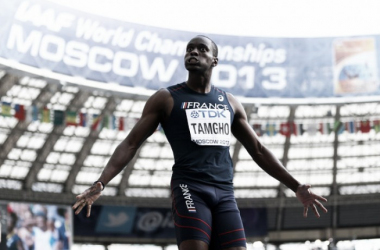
<point x="47" y="36"/>
<point x="152" y="223"/>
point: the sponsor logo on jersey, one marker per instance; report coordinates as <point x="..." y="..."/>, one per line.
<point x="220" y="98"/>
<point x="203" y="105"/>
<point x="188" y="200"/>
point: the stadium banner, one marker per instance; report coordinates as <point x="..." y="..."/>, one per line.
<point x="150" y="223"/>
<point x="45" y="35"/>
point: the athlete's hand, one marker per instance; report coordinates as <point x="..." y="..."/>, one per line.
<point x="88" y="197"/>
<point x="309" y="199"/>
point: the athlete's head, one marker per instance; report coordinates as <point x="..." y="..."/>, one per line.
<point x="201" y="54"/>
<point x="214" y="46"/>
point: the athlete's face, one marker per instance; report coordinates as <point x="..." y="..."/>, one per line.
<point x="199" y="55"/>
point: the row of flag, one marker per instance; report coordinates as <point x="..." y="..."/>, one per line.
<point x="291" y="128"/>
<point x="66" y="118"/>
<point x="97" y="122"/>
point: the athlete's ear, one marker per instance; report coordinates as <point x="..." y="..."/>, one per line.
<point x="215" y="62"/>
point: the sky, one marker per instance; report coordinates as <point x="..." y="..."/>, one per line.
<point x="257" y="18"/>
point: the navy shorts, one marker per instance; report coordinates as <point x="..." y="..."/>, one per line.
<point x="207" y="213"/>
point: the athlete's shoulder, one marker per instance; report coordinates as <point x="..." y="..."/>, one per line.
<point x="231" y="98"/>
<point x="234" y="102"/>
<point x="219" y="90"/>
<point x="177" y="87"/>
<point x="160" y="95"/>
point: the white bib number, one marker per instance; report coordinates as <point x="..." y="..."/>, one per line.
<point x="209" y="127"/>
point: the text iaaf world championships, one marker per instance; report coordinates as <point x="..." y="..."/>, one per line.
<point x="81" y="54"/>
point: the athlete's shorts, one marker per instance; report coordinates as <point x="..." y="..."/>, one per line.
<point x="206" y="213"/>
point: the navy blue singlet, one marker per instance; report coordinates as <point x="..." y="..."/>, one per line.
<point x="199" y="132"/>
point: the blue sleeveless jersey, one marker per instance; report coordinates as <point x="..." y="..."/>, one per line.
<point x="199" y="132"/>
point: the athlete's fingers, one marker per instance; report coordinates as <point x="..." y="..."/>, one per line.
<point x="315" y="211"/>
<point x="321" y="206"/>
<point x="88" y="210"/>
<point x="80" y="208"/>
<point x="320" y="198"/>
<point x="77" y="203"/>
<point x="305" y="209"/>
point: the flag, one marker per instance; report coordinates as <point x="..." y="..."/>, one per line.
<point x="365" y="127"/>
<point x="104" y="123"/>
<point x="109" y="122"/>
<point x="287" y="128"/>
<point x="32" y="114"/>
<point x="83" y="119"/>
<point x="325" y="128"/>
<point x="299" y="130"/>
<point x="376" y="125"/>
<point x="112" y="122"/>
<point x="59" y="117"/>
<point x="351" y="127"/>
<point x="45" y="117"/>
<point x="121" y="124"/>
<point x="338" y="127"/>
<point x="6" y="109"/>
<point x="20" y="112"/>
<point x="71" y="118"/>
<point x="258" y="129"/>
<point x="35" y="112"/>
<point x="271" y="129"/>
<point x="311" y="129"/>
<point x="96" y="122"/>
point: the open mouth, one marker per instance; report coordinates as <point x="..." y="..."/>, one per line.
<point x="192" y="60"/>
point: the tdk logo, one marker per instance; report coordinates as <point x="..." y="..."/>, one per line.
<point x="194" y="114"/>
<point x="208" y="114"/>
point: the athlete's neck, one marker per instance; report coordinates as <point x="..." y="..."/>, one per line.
<point x="199" y="84"/>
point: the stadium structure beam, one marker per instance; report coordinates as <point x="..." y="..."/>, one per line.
<point x="321" y="234"/>
<point x="6" y="83"/>
<point x="273" y="237"/>
<point x="69" y="198"/>
<point x="334" y="187"/>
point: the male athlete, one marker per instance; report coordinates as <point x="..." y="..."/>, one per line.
<point x="198" y="120"/>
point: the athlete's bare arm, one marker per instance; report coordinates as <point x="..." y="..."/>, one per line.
<point x="156" y="110"/>
<point x="267" y="161"/>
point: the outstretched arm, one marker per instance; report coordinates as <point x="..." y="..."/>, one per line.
<point x="268" y="162"/>
<point x="154" y="112"/>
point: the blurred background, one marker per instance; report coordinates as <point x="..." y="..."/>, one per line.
<point x="74" y="78"/>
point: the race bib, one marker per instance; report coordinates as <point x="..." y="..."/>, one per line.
<point x="209" y="127"/>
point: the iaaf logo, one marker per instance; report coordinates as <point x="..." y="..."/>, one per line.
<point x="189" y="201"/>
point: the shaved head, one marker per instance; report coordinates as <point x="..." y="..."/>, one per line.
<point x="214" y="46"/>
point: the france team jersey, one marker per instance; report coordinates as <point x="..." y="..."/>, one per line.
<point x="199" y="132"/>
